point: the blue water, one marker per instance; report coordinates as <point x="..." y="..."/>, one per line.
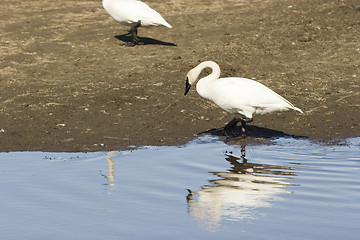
<point x="290" y="189"/>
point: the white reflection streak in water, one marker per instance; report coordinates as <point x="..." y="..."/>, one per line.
<point x="110" y="176"/>
<point x="238" y="193"/>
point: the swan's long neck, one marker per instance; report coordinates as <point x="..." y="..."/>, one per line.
<point x="203" y="87"/>
<point x="215" y="74"/>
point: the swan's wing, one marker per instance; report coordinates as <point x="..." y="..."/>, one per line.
<point x="150" y="17"/>
<point x="247" y="95"/>
<point x="131" y="11"/>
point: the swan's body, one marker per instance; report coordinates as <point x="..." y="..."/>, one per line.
<point x="129" y="12"/>
<point x="237" y="95"/>
<point x="135" y="14"/>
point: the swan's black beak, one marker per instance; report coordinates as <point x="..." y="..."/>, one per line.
<point x="187" y="86"/>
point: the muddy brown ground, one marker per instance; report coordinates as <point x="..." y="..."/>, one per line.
<point x="67" y="84"/>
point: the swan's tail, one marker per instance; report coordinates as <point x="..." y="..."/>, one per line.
<point x="166" y="24"/>
<point x="298" y="109"/>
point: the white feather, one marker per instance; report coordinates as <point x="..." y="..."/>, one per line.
<point x="131" y="11"/>
<point x="237" y="95"/>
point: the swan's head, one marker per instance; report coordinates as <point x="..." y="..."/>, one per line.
<point x="187" y="86"/>
<point x="191" y="78"/>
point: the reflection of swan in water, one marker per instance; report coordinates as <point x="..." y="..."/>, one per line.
<point x="236" y="194"/>
<point x="110" y="176"/>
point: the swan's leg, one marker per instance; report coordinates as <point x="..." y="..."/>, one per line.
<point x="133" y="33"/>
<point x="232" y="123"/>
<point x="243" y="123"/>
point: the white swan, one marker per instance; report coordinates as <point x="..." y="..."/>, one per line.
<point x="135" y="14"/>
<point x="236" y="95"/>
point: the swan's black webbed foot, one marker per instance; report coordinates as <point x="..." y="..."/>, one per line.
<point x="243" y="123"/>
<point x="133" y="34"/>
<point x="232" y="124"/>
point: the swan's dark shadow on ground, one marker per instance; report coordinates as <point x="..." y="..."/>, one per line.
<point x="126" y="38"/>
<point x="251" y="131"/>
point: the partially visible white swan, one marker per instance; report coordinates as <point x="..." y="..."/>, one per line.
<point x="236" y="95"/>
<point x="135" y="14"/>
